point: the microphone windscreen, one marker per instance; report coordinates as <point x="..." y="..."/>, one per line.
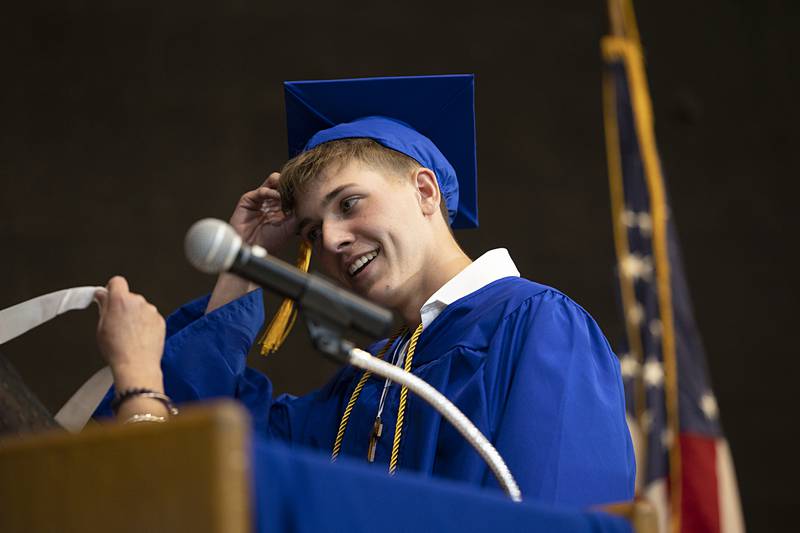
<point x="211" y="245"/>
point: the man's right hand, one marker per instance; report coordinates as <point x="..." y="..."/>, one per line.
<point x="259" y="218"/>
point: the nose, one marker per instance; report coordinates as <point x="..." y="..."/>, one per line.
<point x="336" y="236"/>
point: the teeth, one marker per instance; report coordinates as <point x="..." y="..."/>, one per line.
<point x="361" y="261"/>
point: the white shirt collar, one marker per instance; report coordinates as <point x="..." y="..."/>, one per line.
<point x="491" y="266"/>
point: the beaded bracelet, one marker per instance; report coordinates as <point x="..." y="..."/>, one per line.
<point x="126" y="395"/>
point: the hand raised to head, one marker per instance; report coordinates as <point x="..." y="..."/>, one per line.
<point x="259" y="218"/>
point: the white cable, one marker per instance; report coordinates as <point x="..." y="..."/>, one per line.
<point x="362" y="359"/>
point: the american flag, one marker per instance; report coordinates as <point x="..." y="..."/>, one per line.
<point x="684" y="464"/>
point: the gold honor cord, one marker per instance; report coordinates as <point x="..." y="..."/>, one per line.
<point x="337" y="445"/>
<point x="401" y="409"/>
<point x="398" y="431"/>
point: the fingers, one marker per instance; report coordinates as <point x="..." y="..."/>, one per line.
<point x="272" y="180"/>
<point x="267" y="191"/>
<point x="259" y="217"/>
<point x="117" y="285"/>
<point x="118" y="291"/>
<point x="101" y="297"/>
<point x="130" y="330"/>
<point x="263" y="193"/>
<point x="255" y="199"/>
<point x="159" y="317"/>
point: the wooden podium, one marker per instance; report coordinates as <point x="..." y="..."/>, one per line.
<point x="190" y="475"/>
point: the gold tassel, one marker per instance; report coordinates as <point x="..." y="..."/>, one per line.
<point x="284" y="318"/>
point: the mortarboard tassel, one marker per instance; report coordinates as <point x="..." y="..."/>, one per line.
<point x="284" y="318"/>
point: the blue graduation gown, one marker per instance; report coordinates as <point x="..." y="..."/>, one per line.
<point x="526" y="364"/>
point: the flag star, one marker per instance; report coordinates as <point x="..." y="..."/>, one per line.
<point x="629" y="218"/>
<point x="629" y="366"/>
<point x="646" y="421"/>
<point x="645" y="223"/>
<point x="635" y="266"/>
<point x="667" y="438"/>
<point x="653" y="373"/>
<point x="655" y="327"/>
<point x="635" y="314"/>
<point x="708" y="404"/>
<point x="641" y="221"/>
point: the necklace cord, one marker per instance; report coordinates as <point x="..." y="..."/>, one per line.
<point x="337" y="445"/>
<point x="401" y="410"/>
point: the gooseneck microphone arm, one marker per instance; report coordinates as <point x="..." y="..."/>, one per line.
<point x="213" y="246"/>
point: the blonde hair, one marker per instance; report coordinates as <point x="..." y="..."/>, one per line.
<point x="303" y="170"/>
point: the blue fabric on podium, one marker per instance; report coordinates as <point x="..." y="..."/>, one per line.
<point x="300" y="491"/>
<point x="527" y="365"/>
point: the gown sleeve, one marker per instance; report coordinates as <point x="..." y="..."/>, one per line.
<point x="205" y="357"/>
<point x="561" y="424"/>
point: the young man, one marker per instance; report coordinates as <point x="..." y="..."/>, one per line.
<point x="375" y="198"/>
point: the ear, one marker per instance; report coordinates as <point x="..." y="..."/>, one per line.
<point x="428" y="190"/>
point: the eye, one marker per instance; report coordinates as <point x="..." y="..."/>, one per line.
<point x="349" y="203"/>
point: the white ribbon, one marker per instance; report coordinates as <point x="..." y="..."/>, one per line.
<point x="23" y="317"/>
<point x="74" y="414"/>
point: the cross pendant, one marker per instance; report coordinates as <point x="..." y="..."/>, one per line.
<point x="377" y="431"/>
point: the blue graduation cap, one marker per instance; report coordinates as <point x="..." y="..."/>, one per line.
<point x="428" y="118"/>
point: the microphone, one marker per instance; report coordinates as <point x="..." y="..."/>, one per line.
<point x="212" y="246"/>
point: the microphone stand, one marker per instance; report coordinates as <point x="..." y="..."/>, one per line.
<point x="326" y="335"/>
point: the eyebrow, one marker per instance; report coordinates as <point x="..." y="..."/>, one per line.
<point x="325" y="201"/>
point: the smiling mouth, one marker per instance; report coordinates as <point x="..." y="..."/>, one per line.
<point x="361" y="263"/>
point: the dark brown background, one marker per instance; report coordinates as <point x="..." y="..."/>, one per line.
<point x="123" y="122"/>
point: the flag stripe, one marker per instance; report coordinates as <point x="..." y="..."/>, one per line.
<point x="700" y="488"/>
<point x="731" y="519"/>
<point x="656" y="494"/>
